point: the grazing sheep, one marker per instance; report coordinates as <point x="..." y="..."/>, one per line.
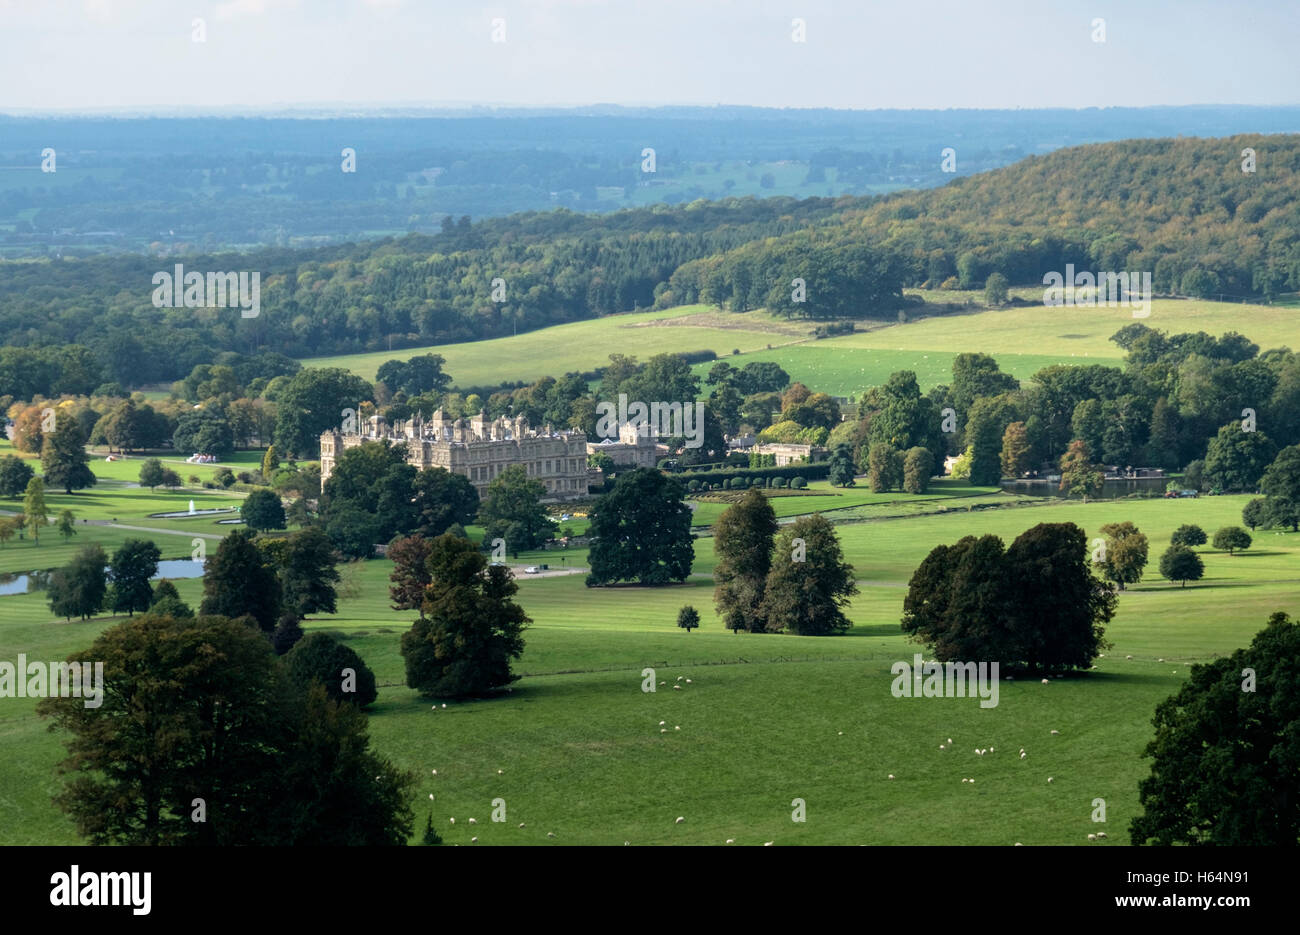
<point x="453" y="821"/>
<point x="679" y="820"/>
<point x="430" y="796"/>
<point x="473" y="840"/>
<point x="435" y="772"/>
<point x="990" y="749"/>
<point x="663" y="730"/>
<point x="688" y="681"/>
<point x="731" y="840"/>
<point x="444" y="704"/>
<point x="768" y="843"/>
<point x="1018" y="844"/>
<point x="941" y="746"/>
<point x="473" y="822"/>
<point x="1056" y="732"/>
<point x="1101" y="834"/>
<point x="521" y="824"/>
<point x="501" y="772"/>
<point x="1023" y="754"/>
<point x="841" y="734"/>
<point x="662" y="723"/>
<point x="950" y="740"/>
<point x="891" y="775"/>
<point x="677" y="688"/>
<point x="1046" y="682"/>
<point x="677" y="727"/>
<point x="1049" y="778"/>
<point x="1092" y="837"/>
<point x="550" y="834"/>
<point x="1159" y="660"/>
<point x="679" y="678"/>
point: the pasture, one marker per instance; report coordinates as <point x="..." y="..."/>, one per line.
<point x="765" y="718"/>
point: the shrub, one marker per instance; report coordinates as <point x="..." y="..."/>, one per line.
<point x="798" y="483"/>
<point x="319" y="657"/>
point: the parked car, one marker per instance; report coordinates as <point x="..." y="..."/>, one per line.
<point x="531" y="570"/>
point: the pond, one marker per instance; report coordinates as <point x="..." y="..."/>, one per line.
<point x="33" y="581"/>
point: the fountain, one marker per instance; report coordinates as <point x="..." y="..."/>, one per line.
<point x="191" y="508"/>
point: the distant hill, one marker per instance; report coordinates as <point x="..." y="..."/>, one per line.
<point x="1180" y="208"/>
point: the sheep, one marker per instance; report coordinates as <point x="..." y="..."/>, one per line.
<point x="840" y="734"/>
<point x="1092" y="837"/>
<point x="521" y="824"/>
<point x="444" y="704"/>
<point x="663" y="730"/>
<point x="662" y="723"/>
<point x="435" y="772"/>
<point x="1056" y="732"/>
<point x="430" y="796"/>
<point x="473" y="840"/>
<point x="1018" y="844"/>
<point x="453" y="821"/>
<point x="941" y="746"/>
<point x="965" y="780"/>
<point x="1023" y="754"/>
<point x="1159" y="660"/>
<point x="891" y="775"/>
<point x="679" y="820"/>
<point x="688" y="681"/>
<point x="1046" y="682"/>
<point x="550" y="834"/>
<point x="1049" y="778"/>
<point x="990" y="749"/>
<point x="1101" y="834"/>
<point x="501" y="772"/>
<point x="677" y="688"/>
<point x="679" y="678"/>
<point x="677" y="727"/>
<point x="473" y="821"/>
<point x="731" y="840"/>
<point x="768" y="843"/>
<point x="950" y="740"/>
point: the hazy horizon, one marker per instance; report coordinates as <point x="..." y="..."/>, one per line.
<point x="139" y="56"/>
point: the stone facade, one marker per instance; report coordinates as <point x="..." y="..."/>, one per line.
<point x="631" y="449"/>
<point x="477" y="449"/>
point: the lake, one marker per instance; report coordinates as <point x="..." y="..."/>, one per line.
<point x="33" y="581"/>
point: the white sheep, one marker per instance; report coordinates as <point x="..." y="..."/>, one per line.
<point x="1092" y="837"/>
<point x="688" y="681"/>
<point x="501" y="772"/>
<point x="677" y="727"/>
<point x="1049" y="778"/>
<point x="731" y="840"/>
<point x="768" y="843"/>
<point x="679" y="820"/>
<point x="891" y="775"/>
<point x="473" y="840"/>
<point x="1101" y="834"/>
<point x="677" y="688"/>
<point x="550" y="834"/>
<point x="521" y="824"/>
<point x="473" y="821"/>
<point x="1046" y="682"/>
<point x="453" y="821"/>
<point x="1056" y="732"/>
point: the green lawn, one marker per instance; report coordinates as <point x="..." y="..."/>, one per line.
<point x="766" y="718"/>
<point x="586" y="345"/>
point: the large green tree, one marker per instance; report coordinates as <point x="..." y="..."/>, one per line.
<point x="810" y="584"/>
<point x="1079" y="476"/>
<point x="471" y="627"/>
<point x="1235" y="460"/>
<point x="1125" y="553"/>
<point x="743" y="539"/>
<point x="14" y="475"/>
<point x="443" y="500"/>
<point x="239" y="580"/>
<point x="77" y="590"/>
<point x="641" y="531"/>
<point x="202" y="709"/>
<point x="262" y="510"/>
<point x="63" y="455"/>
<point x="1179" y="563"/>
<point x="312" y="401"/>
<point x="345" y="676"/>
<point x="513" y="510"/>
<point x="1036" y="604"/>
<point x="1225" y="752"/>
<point x="308" y="573"/>
<point x="130" y="571"/>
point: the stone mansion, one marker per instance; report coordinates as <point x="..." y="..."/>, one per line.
<point x="476" y="449"/>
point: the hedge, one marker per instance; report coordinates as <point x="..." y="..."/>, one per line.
<point x="815" y="471"/>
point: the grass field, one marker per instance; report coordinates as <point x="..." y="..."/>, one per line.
<point x="765" y="718"/>
<point x="1024" y="340"/>
<point x="586" y="345"/>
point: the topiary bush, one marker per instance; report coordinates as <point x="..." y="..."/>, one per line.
<point x="798" y="483"/>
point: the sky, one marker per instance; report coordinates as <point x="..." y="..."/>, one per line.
<point x="141" y="55"/>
